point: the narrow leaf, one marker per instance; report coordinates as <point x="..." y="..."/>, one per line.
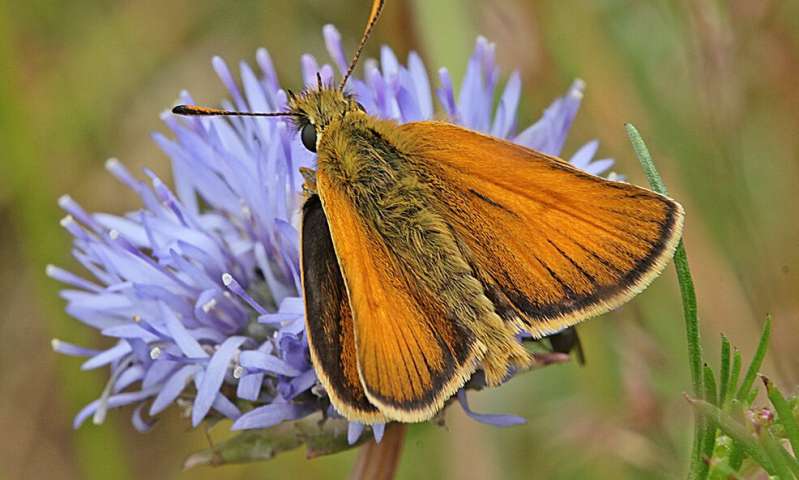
<point x="735" y="373"/>
<point x="724" y="374"/>
<point x="709" y="382"/>
<point x="757" y="361"/>
<point x="784" y="414"/>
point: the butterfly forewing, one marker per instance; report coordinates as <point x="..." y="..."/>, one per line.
<point x="552" y="245"/>
<point x="412" y="354"/>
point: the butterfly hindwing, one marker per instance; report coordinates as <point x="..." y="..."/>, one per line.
<point x="329" y="327"/>
<point x="551" y="244"/>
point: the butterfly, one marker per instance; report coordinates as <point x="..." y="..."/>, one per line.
<point x="428" y="248"/>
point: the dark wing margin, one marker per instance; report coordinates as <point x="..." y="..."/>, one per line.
<point x="328" y="319"/>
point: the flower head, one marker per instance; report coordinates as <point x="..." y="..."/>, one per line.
<point x="199" y="289"/>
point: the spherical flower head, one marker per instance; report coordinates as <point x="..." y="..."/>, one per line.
<point x="199" y="289"/>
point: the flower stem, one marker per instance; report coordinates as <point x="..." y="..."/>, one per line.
<point x="379" y="461"/>
<point x="698" y="465"/>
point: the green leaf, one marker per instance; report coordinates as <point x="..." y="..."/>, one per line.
<point x="736" y="431"/>
<point x="709" y="382"/>
<point x="776" y="453"/>
<point x="757" y="361"/>
<point x="784" y="414"/>
<point x="735" y="373"/>
<point x="722" y="469"/>
<point x="724" y="374"/>
<point x="320" y="437"/>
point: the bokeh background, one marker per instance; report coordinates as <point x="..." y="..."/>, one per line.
<point x="712" y="85"/>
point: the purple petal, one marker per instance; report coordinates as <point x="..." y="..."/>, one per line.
<point x="183" y="339"/>
<point x="446" y="95"/>
<point x="489" y="419"/>
<point x="354" y="431"/>
<point x="505" y="118"/>
<point x="213" y="378"/>
<point x="173" y="387"/>
<point x="249" y="387"/>
<point x="112" y="354"/>
<point x="334" y="48"/>
<point x="139" y="423"/>
<point x="278" y="318"/>
<point x="128" y="377"/>
<point x="255" y="360"/>
<point x="113" y="401"/>
<point x="598" y="167"/>
<point x="584" y="155"/>
<point x="221" y="69"/>
<point x="309" y="70"/>
<point x="377" y="431"/>
<point x="422" y="84"/>
<point x="297" y="385"/>
<point x="158" y="371"/>
<point x="70" y="278"/>
<point x="549" y="133"/>
<point x="72" y="350"/>
<point x="271" y="415"/>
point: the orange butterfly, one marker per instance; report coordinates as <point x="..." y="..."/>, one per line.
<point x="427" y="247"/>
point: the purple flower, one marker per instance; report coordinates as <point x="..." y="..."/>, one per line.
<point x="198" y="290"/>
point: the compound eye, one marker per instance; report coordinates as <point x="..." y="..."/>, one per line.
<point x="308" y="136"/>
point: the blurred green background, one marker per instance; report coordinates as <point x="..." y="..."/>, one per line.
<point x="712" y="85"/>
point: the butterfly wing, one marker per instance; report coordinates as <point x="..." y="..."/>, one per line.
<point x="328" y="320"/>
<point x="412" y="355"/>
<point x="551" y="244"/>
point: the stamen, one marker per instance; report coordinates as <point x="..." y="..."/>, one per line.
<point x="235" y="287"/>
<point x="209" y="305"/>
<point x="155" y="353"/>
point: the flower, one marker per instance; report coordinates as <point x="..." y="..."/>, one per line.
<point x="200" y="290"/>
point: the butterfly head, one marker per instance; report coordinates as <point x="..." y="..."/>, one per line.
<point x="315" y="108"/>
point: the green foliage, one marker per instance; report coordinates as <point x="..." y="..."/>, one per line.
<point x="741" y="430"/>
<point x="319" y="437"/>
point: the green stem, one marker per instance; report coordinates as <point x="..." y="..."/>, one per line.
<point x="688" y="302"/>
<point x="736" y="431"/>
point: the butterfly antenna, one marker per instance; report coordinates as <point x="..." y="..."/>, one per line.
<point x="377" y="9"/>
<point x="195" y="111"/>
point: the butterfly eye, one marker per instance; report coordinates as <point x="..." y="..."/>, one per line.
<point x="308" y="135"/>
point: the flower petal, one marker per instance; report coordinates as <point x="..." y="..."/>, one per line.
<point x="270" y="415"/>
<point x="489" y="419"/>
<point x="213" y="377"/>
<point x="173" y="387"/>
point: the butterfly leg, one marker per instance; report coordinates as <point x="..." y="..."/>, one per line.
<point x="309" y="175"/>
<point x="567" y="341"/>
